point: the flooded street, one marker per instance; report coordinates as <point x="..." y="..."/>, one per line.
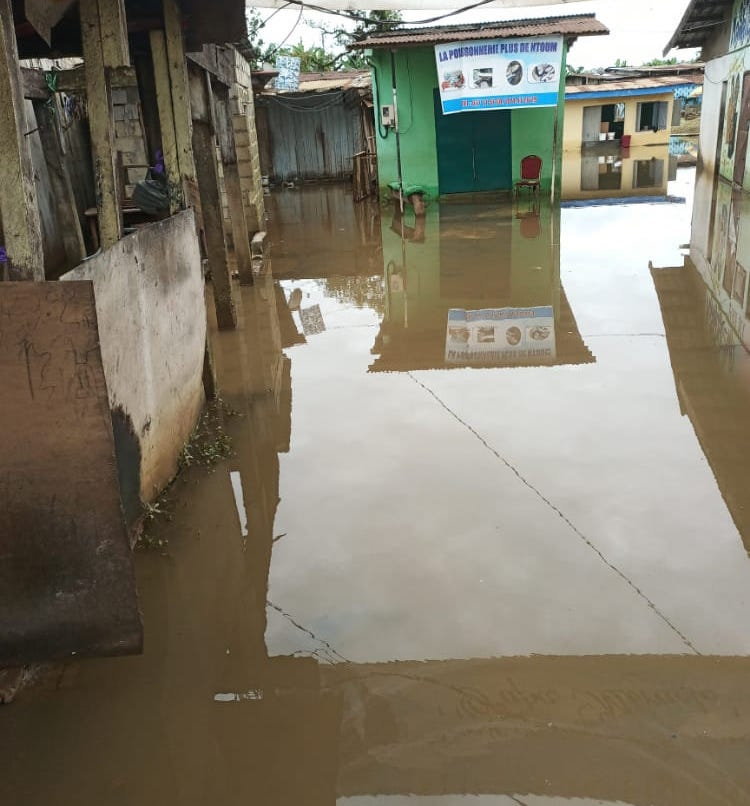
<point x="482" y="539"/>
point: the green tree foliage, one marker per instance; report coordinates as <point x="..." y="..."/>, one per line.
<point x="311" y="60"/>
<point x="660" y="62"/>
<point x="319" y="58"/>
<point x="368" y="22"/>
<point x="363" y="292"/>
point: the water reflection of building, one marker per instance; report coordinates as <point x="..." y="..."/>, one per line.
<point x="475" y="285"/>
<point x="712" y="378"/>
<point x="706" y="304"/>
<point x="352" y="234"/>
<point x="552" y="727"/>
<point x="608" y="172"/>
<point x="294" y="724"/>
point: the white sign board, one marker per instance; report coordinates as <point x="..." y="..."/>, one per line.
<point x="500" y="336"/>
<point x="499" y="73"/>
<point x="288" y="77"/>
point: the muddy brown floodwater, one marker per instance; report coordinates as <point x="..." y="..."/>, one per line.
<point x="483" y="538"/>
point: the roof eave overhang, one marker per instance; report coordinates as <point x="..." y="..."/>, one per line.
<point x="371" y="44"/>
<point x="689" y="33"/>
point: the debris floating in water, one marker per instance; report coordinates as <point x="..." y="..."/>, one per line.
<point x="239" y="696"/>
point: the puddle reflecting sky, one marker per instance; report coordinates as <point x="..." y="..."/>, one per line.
<point x="454" y="512"/>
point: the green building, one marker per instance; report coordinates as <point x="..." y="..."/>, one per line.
<point x="464" y="127"/>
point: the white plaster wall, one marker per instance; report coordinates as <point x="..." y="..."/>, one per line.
<point x="729" y="212"/>
<point x="716" y="72"/>
<point x="149" y="293"/>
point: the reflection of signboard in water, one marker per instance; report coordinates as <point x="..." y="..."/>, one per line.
<point x="312" y="320"/>
<point x="500" y="336"/>
<point x="499" y="73"/>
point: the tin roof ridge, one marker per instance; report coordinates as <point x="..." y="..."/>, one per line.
<point x="478" y="26"/>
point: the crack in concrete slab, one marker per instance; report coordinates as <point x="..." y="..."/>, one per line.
<point x="652" y="605"/>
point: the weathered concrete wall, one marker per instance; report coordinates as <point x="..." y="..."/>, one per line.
<point x="719" y="42"/>
<point x="67" y="583"/>
<point x="152" y="325"/>
<point x="720" y="239"/>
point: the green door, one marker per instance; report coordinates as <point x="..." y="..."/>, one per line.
<point x="474" y="150"/>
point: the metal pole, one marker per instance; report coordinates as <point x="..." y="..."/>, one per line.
<point x="396" y="130"/>
<point x="554" y="154"/>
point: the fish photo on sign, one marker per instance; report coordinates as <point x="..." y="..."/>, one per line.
<point x="542" y="73"/>
<point x="514" y="73"/>
<point x="482" y="78"/>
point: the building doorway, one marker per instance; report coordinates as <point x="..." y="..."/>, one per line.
<point x="473" y="150"/>
<point x="603" y="122"/>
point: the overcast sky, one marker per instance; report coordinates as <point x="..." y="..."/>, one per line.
<point x="639" y="28"/>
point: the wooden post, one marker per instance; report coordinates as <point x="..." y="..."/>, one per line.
<point x="105" y="46"/>
<point x="18" y="204"/>
<point x="240" y="235"/>
<point x="180" y="90"/>
<point x="204" y="148"/>
<point x="114" y="33"/>
<point x="166" y="114"/>
<point x="61" y="186"/>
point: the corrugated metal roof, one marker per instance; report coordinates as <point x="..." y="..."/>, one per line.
<point x="666" y="83"/>
<point x="351" y="79"/>
<point x="572" y="25"/>
<point x="700" y="20"/>
<point x="623" y="73"/>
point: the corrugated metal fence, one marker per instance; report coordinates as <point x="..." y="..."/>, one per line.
<point x="312" y="136"/>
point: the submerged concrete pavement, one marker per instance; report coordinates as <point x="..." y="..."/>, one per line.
<point x="430" y="574"/>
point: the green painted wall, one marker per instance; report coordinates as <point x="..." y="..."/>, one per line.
<point x="532" y="130"/>
<point x="416" y="78"/>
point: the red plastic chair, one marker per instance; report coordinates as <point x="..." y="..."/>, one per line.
<point x="531" y="173"/>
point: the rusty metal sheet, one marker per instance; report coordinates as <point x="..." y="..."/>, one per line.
<point x="67" y="582"/>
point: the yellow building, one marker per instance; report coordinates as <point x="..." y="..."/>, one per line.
<point x="635" y="112"/>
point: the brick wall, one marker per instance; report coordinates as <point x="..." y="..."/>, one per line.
<point x="246" y="138"/>
<point x="129" y="136"/>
